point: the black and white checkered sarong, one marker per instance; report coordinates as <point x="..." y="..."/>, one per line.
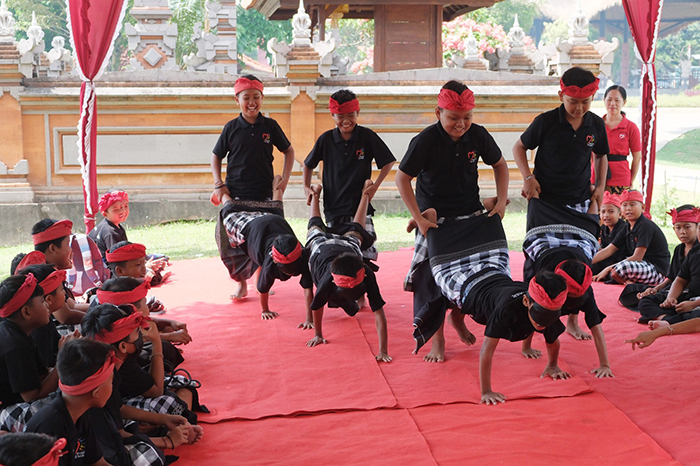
<point x="143" y="454"/>
<point x="317" y="240"/>
<point x="235" y="222"/>
<point x="371" y="252"/>
<point x="14" y="418"/>
<point x="639" y="272"/>
<point x="167" y="403"/>
<point x="545" y="238"/>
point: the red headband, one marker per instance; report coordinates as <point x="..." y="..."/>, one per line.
<point x="123" y="327"/>
<point x="108" y="199"/>
<point x="20" y="298"/>
<point x="53" y="281"/>
<point x="541" y="297"/>
<point x="94" y="381"/>
<point x="54" y="455"/>
<point x="689" y="215"/>
<point x="123" y="297"/>
<point x="341" y="109"/>
<point x="57" y="230"/>
<point x="631" y="196"/>
<point x="127" y="252"/>
<point x="611" y="199"/>
<point x="580" y="92"/>
<point x="33" y="258"/>
<point x="574" y="288"/>
<point x="289" y="258"/>
<point x="343" y="281"/>
<point x="243" y="84"/>
<point x="450" y="100"/>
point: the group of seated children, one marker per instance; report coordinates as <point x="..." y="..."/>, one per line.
<point x="100" y="375"/>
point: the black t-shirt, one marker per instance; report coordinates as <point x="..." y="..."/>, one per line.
<point x="587" y="304"/>
<point x="55" y="420"/>
<point x="21" y="367"/>
<point x="46" y="339"/>
<point x="134" y="380"/>
<point x="324" y="248"/>
<point x="607" y="236"/>
<point x="446" y="171"/>
<point x="563" y="159"/>
<point x="679" y="257"/>
<point x="646" y="234"/>
<point x="260" y="234"/>
<point x="497" y="303"/>
<point x="690" y="271"/>
<point x="106" y="234"/>
<point x="346" y="166"/>
<point x="248" y="147"/>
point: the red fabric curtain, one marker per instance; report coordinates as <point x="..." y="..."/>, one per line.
<point x="94" y="25"/>
<point x="644" y="17"/>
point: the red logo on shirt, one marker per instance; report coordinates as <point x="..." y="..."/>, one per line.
<point x="360" y="154"/>
<point x="623" y="136"/>
<point x="266" y="138"/>
<point x="472" y="156"/>
<point x="590" y="140"/>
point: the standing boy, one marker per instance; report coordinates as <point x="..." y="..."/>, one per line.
<point x="444" y="158"/>
<point x="247" y="143"/>
<point x="347" y="152"/>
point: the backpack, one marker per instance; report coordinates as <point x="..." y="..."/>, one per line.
<point x="89" y="270"/>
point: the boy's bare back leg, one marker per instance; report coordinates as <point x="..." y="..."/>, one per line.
<point x="361" y="212"/>
<point x="437" y="350"/>
<point x="240" y="291"/>
<point x="573" y="328"/>
<point x="456" y="319"/>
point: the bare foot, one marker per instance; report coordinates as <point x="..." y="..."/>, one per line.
<point x="532" y="353"/>
<point x="195" y="434"/>
<point x="573" y="329"/>
<point x="654" y="324"/>
<point x="457" y="321"/>
<point x="437" y="352"/>
<point x="240" y="292"/>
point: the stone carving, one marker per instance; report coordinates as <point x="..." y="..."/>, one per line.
<point x="152" y="40"/>
<point x="7" y="25"/>
<point x="472" y="60"/>
<point x="31" y="49"/>
<point x="518" y="59"/>
<point x="301" y="24"/>
<point x="59" y="58"/>
<point x="216" y="52"/>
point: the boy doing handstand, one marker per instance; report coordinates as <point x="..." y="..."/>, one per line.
<point x="339" y="273"/>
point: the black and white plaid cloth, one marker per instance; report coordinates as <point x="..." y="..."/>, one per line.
<point x="544" y="238"/>
<point x="420" y="251"/>
<point x="235" y="222"/>
<point x="143" y="454"/>
<point x="639" y="272"/>
<point x="14" y="418"/>
<point x="317" y="240"/>
<point x="168" y="403"/>
<point x="371" y="252"/>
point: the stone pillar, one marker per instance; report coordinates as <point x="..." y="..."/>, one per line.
<point x="31" y="49"/>
<point x="471" y="60"/>
<point x="152" y="39"/>
<point x="59" y="58"/>
<point x="519" y="60"/>
<point x="216" y="53"/>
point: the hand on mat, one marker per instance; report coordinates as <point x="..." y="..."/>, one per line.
<point x="532" y="353"/>
<point x="316" y="341"/>
<point x="648" y="292"/>
<point x="383" y="357"/>
<point x="555" y="373"/>
<point x="669" y="303"/>
<point x="492" y="398"/>
<point x="268" y="315"/>
<point x="306" y="325"/>
<point x="603" y="274"/>
<point x="642" y="340"/>
<point x="686" y="306"/>
<point x="602" y="372"/>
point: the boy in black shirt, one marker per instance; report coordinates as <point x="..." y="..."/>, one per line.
<point x="247" y="143"/>
<point x="611" y="224"/>
<point x="443" y="158"/>
<point x="347" y="152"/>
<point x="339" y="273"/>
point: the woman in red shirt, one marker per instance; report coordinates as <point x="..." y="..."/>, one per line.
<point x="623" y="138"/>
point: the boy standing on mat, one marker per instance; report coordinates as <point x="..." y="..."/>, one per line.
<point x="443" y="158"/>
<point x="339" y="273"/>
<point x="347" y="152"/>
<point x="247" y="143"/>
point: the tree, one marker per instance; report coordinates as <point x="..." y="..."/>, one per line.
<point x="253" y="32"/>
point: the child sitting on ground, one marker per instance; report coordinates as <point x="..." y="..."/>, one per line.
<point x="267" y="239"/>
<point x="649" y="262"/>
<point x="86" y="370"/>
<point x="25" y="381"/>
<point x="470" y="262"/>
<point x="612" y="223"/>
<point x="339" y="273"/>
<point x="347" y="152"/>
<point x="114" y="206"/>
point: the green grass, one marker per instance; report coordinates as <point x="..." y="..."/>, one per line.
<point x="683" y="150"/>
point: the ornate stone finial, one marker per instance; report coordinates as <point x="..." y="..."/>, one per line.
<point x="516" y="36"/>
<point x="301" y="22"/>
<point x="471" y="46"/>
<point x="7" y="24"/>
<point x="578" y="26"/>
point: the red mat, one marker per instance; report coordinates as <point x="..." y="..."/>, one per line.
<point x="381" y="437"/>
<point x="251" y="368"/>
